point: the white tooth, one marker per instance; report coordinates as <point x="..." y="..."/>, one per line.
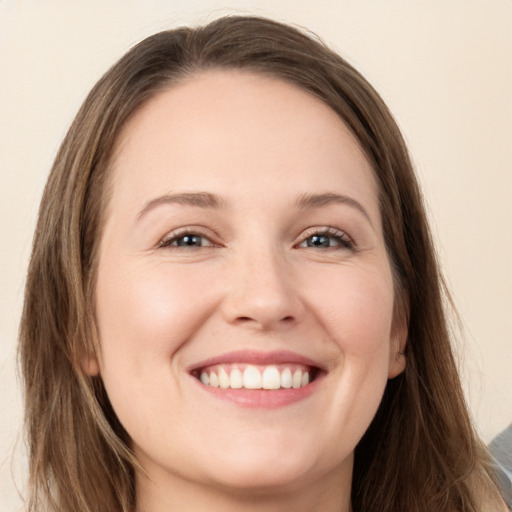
<point x="252" y="377"/>
<point x="305" y="379"/>
<point x="214" y="380"/>
<point x="223" y="379"/>
<point x="286" y="378"/>
<point x="271" y="378"/>
<point x="205" y="379"/>
<point x="297" y="379"/>
<point x="236" y="380"/>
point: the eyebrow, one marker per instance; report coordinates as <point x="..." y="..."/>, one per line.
<point x="212" y="201"/>
<point x="199" y="199"/>
<point x="319" y="200"/>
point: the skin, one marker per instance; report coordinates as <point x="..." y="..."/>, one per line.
<point x="250" y="283"/>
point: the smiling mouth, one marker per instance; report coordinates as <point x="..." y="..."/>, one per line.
<point x="250" y="376"/>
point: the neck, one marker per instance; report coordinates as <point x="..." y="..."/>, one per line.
<point x="168" y="493"/>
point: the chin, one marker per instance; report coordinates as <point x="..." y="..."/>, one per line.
<point x="262" y="481"/>
<point x="265" y="472"/>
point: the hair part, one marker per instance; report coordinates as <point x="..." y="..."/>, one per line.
<point x="420" y="452"/>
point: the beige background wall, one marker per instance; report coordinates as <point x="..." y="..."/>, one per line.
<point x="443" y="66"/>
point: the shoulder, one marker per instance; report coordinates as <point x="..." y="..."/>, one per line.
<point x="501" y="451"/>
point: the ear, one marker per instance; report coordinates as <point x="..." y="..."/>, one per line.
<point x="397" y="360"/>
<point x="89" y="362"/>
<point x="397" y="344"/>
<point x="90" y="366"/>
<point x="87" y="358"/>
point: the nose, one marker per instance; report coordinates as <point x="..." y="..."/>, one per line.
<point x="262" y="292"/>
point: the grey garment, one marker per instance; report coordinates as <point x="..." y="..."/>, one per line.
<point x="501" y="450"/>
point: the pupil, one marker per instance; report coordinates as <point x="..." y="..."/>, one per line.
<point x="319" y="241"/>
<point x="189" y="240"/>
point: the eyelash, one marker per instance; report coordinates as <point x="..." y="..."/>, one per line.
<point x="170" y="242"/>
<point x="341" y="239"/>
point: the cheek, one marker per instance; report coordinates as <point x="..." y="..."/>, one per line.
<point x="356" y="309"/>
<point x="144" y="316"/>
<point x="147" y="313"/>
<point x="362" y="330"/>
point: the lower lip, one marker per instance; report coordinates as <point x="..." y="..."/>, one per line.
<point x="262" y="398"/>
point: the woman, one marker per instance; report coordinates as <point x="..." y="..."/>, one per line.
<point x="233" y="301"/>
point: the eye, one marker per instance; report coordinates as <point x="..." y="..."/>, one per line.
<point x="328" y="238"/>
<point x="186" y="240"/>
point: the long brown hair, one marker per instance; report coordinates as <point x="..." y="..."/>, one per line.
<point x="420" y="452"/>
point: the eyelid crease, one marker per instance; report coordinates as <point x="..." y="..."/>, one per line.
<point x="325" y="230"/>
<point x="322" y="200"/>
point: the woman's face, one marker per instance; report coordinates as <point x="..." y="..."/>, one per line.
<point x="242" y="251"/>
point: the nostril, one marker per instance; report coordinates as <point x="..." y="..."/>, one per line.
<point x="245" y="319"/>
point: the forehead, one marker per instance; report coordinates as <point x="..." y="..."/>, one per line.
<point x="222" y="126"/>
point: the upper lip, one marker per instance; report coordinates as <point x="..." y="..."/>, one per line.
<point x="257" y="358"/>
